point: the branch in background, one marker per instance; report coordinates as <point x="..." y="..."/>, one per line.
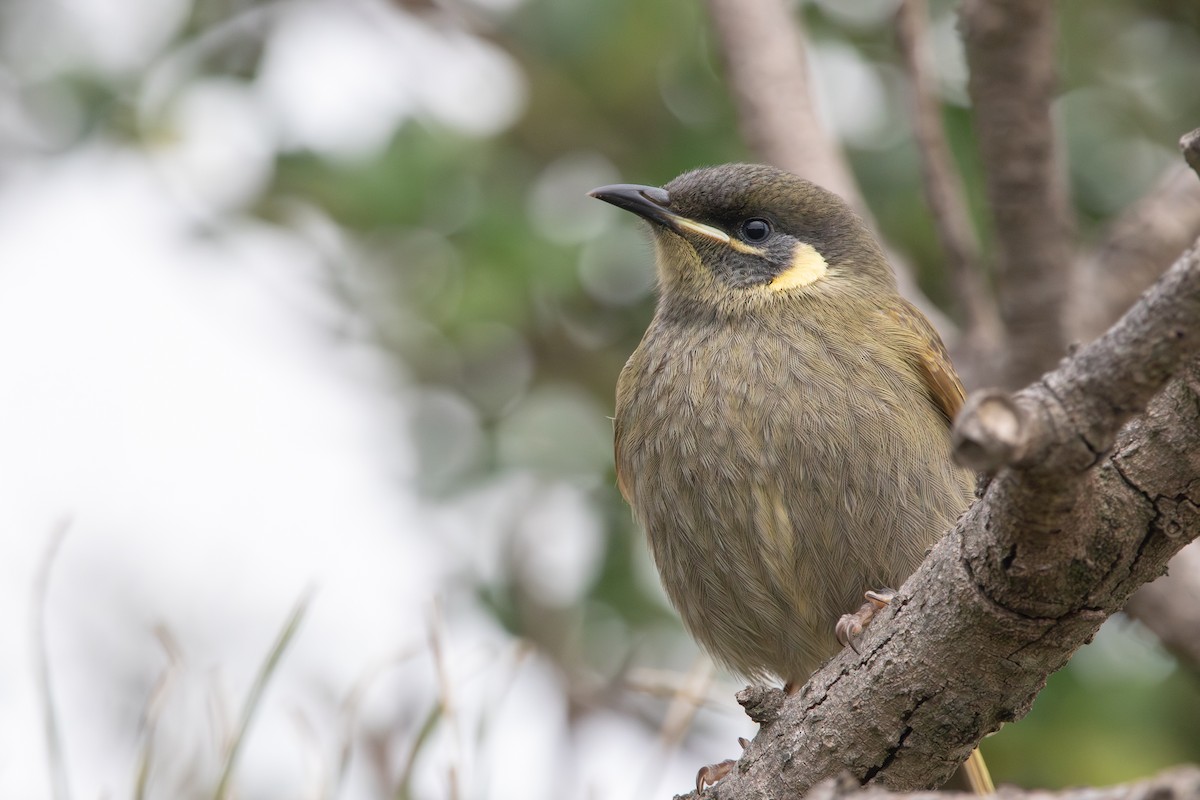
<point x="1170" y="606"/>
<point x="1182" y="783"/>
<point x="1010" y="52"/>
<point x="945" y="194"/>
<point x="1090" y="503"/>
<point x="763" y="48"/>
<point x="1134" y="252"/>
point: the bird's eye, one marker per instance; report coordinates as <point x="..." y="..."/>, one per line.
<point x="756" y="230"/>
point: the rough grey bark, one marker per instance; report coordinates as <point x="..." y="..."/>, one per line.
<point x="1090" y="500"/>
<point x="1010" y="49"/>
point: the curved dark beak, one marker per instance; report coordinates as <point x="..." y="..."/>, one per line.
<point x="651" y="203"/>
<point x="648" y="202"/>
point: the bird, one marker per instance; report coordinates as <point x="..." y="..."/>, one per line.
<point x="782" y="431"/>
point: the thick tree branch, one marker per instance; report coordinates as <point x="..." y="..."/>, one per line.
<point x="970" y="639"/>
<point x="944" y="191"/>
<point x="1010" y="52"/>
<point x="1093" y="504"/>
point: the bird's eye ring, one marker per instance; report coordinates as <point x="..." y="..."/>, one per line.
<point x="756" y="230"/>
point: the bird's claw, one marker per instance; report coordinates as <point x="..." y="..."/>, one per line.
<point x="881" y="598"/>
<point x="851" y="626"/>
<point x="709" y="775"/>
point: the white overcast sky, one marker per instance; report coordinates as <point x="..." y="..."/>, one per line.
<point x="169" y="385"/>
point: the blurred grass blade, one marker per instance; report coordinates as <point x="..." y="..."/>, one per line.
<point x="404" y="785"/>
<point x="154" y="705"/>
<point x="256" y="693"/>
<point x="55" y="753"/>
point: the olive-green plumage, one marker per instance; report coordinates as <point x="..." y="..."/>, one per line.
<point x="782" y="430"/>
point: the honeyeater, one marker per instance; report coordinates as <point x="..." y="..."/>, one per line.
<point x="783" y="429"/>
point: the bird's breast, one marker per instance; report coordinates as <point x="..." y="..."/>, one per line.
<point x="778" y="474"/>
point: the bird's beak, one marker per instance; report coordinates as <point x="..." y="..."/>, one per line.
<point x="651" y="203"/>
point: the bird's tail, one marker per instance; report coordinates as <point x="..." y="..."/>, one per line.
<point x="978" y="775"/>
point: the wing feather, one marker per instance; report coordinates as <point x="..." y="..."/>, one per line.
<point x="928" y="355"/>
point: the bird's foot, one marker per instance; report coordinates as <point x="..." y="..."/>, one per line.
<point x="850" y="626"/>
<point x="709" y="775"/>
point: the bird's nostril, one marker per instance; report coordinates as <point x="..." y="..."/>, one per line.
<point x="656" y="195"/>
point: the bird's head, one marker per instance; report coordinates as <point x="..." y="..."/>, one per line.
<point x="740" y="236"/>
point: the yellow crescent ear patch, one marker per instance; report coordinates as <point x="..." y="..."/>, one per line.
<point x="808" y="266"/>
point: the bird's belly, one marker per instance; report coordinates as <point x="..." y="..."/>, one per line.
<point x="771" y="507"/>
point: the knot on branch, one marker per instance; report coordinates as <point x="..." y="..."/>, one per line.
<point x="993" y="430"/>
<point x="1189" y="144"/>
<point x="762" y="703"/>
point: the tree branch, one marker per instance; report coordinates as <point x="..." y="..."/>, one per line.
<point x="1090" y="505"/>
<point x="1094" y="392"/>
<point x="1147" y="236"/>
<point x="1134" y="252"/>
<point x="1104" y="383"/>
<point x="1170" y="606"/>
<point x="1189" y="145"/>
<point x="944" y="191"/>
<point x="1010" y="53"/>
<point x="763" y="47"/>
